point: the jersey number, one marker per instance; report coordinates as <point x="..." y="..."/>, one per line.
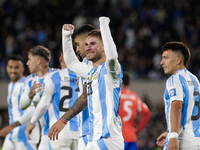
<point x="197" y="103"/>
<point x="128" y="110"/>
<point x="61" y="108"/>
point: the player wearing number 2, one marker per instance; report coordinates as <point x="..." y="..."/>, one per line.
<point x="181" y="98"/>
<point x="130" y="105"/>
<point x="59" y="94"/>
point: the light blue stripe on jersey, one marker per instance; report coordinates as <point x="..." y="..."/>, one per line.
<point x="85" y="113"/>
<point x="46" y="115"/>
<point x="74" y="125"/>
<point x="116" y="94"/>
<point x="185" y="100"/>
<point x="167" y="101"/>
<point x="10" y="110"/>
<point x="102" y="96"/>
<point x="102" y="144"/>
<point x="10" y="105"/>
<point x="91" y="121"/>
<point x="21" y="135"/>
<point x="56" y="98"/>
<point x="30" y="84"/>
<point x="196" y="123"/>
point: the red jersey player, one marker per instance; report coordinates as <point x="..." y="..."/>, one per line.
<point x="130" y="105"/>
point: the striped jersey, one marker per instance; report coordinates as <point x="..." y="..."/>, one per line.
<point x="103" y="103"/>
<point x="44" y="121"/>
<point x="184" y="86"/>
<point x="15" y="113"/>
<point x="84" y="130"/>
<point x="59" y="94"/>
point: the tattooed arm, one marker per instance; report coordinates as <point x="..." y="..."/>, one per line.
<point x="78" y="106"/>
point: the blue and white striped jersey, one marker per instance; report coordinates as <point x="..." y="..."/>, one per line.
<point x="85" y="113"/>
<point x="15" y="113"/>
<point x="59" y="94"/>
<point x="103" y="103"/>
<point x="184" y="86"/>
<point x="104" y="84"/>
<point x="26" y="102"/>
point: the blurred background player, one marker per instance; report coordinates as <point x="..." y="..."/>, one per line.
<point x="130" y="105"/>
<point x="38" y="64"/>
<point x="16" y="138"/>
<point x="59" y="94"/>
<point x="79" y="37"/>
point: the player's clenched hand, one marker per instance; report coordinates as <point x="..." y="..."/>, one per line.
<point x="161" y="139"/>
<point x="55" y="130"/>
<point x="29" y="130"/>
<point x="5" y="131"/>
<point x="68" y="27"/>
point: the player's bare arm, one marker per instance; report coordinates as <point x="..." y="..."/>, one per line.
<point x="6" y="130"/>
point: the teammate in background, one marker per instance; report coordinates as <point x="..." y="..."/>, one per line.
<point x="59" y="94"/>
<point x="38" y="64"/>
<point x="182" y="101"/>
<point x="130" y="105"/>
<point x="79" y="39"/>
<point x="104" y="82"/>
<point x="15" y="132"/>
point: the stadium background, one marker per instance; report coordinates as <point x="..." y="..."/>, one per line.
<point x="139" y="29"/>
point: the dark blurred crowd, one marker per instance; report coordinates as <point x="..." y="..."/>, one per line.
<point x="139" y="29"/>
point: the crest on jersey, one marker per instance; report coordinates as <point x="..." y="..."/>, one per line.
<point x="172" y="92"/>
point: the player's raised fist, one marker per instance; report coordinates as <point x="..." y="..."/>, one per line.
<point x="68" y="27"/>
<point x="104" y="19"/>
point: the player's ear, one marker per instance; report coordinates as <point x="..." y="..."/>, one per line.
<point x="179" y="60"/>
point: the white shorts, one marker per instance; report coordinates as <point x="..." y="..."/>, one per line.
<point x="44" y="143"/>
<point x="106" y="144"/>
<point x="23" y="145"/>
<point x="82" y="142"/>
<point x="64" y="144"/>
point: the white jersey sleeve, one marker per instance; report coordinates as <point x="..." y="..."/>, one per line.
<point x="27" y="114"/>
<point x="70" y="58"/>
<point x="25" y="101"/>
<point x="112" y="63"/>
<point x="45" y="100"/>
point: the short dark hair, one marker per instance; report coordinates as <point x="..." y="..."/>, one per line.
<point x="41" y="51"/>
<point x="126" y="79"/>
<point x="83" y="30"/>
<point x="179" y="47"/>
<point x="16" y="58"/>
<point x="96" y="33"/>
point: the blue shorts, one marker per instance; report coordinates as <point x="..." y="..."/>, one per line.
<point x="130" y="146"/>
